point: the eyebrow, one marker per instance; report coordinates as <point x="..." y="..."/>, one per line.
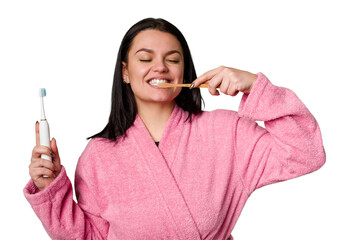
<point x="152" y="51"/>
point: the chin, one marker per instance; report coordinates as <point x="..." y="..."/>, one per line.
<point x="163" y="99"/>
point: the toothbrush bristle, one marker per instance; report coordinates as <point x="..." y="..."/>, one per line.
<point x="42" y="92"/>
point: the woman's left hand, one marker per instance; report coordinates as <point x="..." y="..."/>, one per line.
<point x="231" y="81"/>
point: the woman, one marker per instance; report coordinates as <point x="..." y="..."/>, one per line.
<point x="194" y="184"/>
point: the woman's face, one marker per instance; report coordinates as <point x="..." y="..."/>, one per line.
<point x="154" y="56"/>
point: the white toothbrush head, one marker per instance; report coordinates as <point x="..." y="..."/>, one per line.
<point x="42" y="92"/>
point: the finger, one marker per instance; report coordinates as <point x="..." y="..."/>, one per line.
<point x="213" y="91"/>
<point x="36" y="173"/>
<point x="206" y="76"/>
<point x="56" y="159"/>
<point x="232" y="91"/>
<point x="235" y="93"/>
<point x="228" y="87"/>
<point x="38" y="150"/>
<point x="42" y="163"/>
<point x="215" y="82"/>
<point x="54" y="148"/>
<point x="37" y="134"/>
<point x="224" y="86"/>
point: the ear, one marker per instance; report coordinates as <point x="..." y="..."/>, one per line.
<point x="125" y="72"/>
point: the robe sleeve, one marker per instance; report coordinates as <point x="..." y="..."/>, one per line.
<point x="60" y="215"/>
<point x="289" y="146"/>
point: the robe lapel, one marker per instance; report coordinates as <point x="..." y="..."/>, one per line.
<point x="159" y="160"/>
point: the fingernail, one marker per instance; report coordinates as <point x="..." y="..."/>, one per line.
<point x="36" y="122"/>
<point x="192" y="85"/>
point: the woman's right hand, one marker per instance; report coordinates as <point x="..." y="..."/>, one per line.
<point x="40" y="167"/>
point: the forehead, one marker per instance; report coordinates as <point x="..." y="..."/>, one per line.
<point x="155" y="40"/>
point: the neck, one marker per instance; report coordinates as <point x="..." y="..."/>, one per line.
<point x="155" y="115"/>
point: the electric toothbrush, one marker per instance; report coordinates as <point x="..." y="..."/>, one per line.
<point x="43" y="126"/>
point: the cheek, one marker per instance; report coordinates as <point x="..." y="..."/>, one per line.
<point x="179" y="73"/>
<point x="137" y="72"/>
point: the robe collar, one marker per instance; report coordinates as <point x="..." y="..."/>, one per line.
<point x="159" y="162"/>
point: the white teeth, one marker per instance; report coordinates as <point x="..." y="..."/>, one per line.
<point x="157" y="81"/>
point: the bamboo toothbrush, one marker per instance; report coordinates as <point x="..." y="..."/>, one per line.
<point x="169" y="85"/>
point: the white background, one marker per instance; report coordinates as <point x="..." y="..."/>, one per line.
<point x="70" y="48"/>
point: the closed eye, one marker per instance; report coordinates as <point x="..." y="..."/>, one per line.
<point x="173" y="61"/>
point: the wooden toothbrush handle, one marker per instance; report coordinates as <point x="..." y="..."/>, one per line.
<point x="205" y="85"/>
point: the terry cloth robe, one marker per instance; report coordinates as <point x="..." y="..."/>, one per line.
<point x="195" y="184"/>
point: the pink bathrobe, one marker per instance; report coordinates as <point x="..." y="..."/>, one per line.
<point x="195" y="184"/>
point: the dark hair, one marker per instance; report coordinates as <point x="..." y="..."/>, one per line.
<point x="123" y="104"/>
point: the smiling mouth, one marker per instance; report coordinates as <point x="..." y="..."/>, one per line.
<point x="155" y="82"/>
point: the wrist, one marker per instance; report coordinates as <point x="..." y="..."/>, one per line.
<point x="253" y="78"/>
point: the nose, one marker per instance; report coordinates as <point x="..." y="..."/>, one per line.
<point x="160" y="66"/>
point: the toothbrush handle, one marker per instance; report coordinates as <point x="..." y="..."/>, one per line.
<point x="44" y="131"/>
